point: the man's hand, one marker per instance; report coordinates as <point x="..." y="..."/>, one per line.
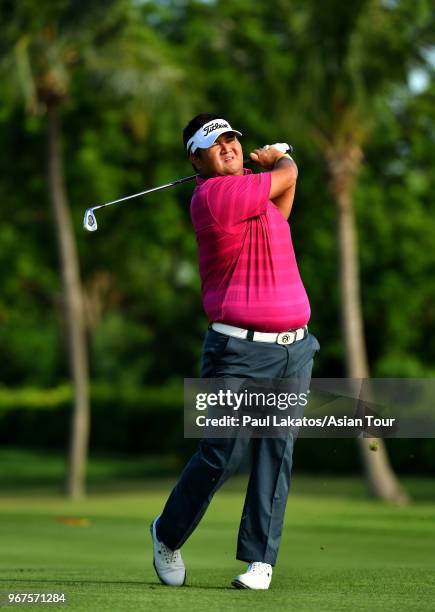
<point x="267" y="156"/>
<point x="284" y="174"/>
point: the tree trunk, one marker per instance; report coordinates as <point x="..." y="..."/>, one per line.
<point x="344" y="166"/>
<point x="73" y="308"/>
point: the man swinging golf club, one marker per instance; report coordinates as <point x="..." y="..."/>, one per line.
<point x="258" y="311"/>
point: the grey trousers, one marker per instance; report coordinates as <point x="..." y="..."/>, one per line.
<point x="216" y="459"/>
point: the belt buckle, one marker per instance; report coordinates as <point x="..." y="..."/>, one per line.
<point x="287" y="337"/>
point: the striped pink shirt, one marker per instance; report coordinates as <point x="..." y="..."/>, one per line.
<point x="247" y="264"/>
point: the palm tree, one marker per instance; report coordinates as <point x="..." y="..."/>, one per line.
<point x="352" y="53"/>
<point x="48" y="42"/>
<point x="343" y="165"/>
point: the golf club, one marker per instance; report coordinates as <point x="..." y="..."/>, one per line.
<point x="90" y="221"/>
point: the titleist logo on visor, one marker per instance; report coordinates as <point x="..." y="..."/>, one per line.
<point x="206" y="135"/>
<point x="214" y="126"/>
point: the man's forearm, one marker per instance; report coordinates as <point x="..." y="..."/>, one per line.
<point x="285" y="200"/>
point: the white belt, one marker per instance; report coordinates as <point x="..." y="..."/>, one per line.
<point x="287" y="337"/>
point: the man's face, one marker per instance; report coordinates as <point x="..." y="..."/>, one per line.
<point x="224" y="157"/>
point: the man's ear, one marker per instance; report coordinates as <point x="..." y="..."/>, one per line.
<point x="195" y="160"/>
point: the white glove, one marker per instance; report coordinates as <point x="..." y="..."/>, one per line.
<point x="281" y="146"/>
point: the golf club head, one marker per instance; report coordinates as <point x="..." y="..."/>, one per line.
<point x="90" y="222"/>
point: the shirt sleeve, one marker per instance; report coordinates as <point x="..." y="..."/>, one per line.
<point x="235" y="199"/>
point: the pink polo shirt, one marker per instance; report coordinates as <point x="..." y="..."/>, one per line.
<point x="247" y="264"/>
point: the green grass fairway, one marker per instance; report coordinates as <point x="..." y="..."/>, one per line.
<point x="336" y="554"/>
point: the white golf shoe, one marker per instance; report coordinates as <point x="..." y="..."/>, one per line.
<point x="257" y="576"/>
<point x="168" y="563"/>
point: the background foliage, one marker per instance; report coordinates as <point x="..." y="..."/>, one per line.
<point x="255" y="64"/>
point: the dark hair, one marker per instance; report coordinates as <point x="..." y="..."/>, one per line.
<point x="196" y="123"/>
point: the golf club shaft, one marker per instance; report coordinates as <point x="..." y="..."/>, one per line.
<point x="172" y="184"/>
<point x="136" y="195"/>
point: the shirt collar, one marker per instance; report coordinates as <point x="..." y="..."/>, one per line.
<point x="201" y="181"/>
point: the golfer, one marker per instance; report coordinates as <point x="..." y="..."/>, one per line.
<point x="258" y="311"/>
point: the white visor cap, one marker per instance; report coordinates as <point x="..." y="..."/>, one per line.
<point x="208" y="133"/>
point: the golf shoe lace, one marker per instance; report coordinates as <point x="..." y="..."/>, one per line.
<point x="259" y="568"/>
<point x="170" y="556"/>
